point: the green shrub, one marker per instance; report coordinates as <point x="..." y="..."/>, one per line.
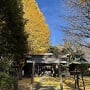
<point x="6" y="81"/>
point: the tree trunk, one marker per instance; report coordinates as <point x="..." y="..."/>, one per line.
<point x="20" y="73"/>
<point x="77" y="81"/>
<point x="76" y="78"/>
<point x="60" y="76"/>
<point x="83" y="81"/>
<point x="16" y="80"/>
<point x="32" y="77"/>
<point x="16" y="85"/>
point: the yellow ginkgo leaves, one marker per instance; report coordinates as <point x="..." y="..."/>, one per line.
<point x="38" y="31"/>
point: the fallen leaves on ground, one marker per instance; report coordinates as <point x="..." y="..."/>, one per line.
<point x="46" y="81"/>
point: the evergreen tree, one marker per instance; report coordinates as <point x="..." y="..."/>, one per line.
<point x="13" y="39"/>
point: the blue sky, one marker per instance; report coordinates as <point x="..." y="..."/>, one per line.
<point x="52" y="10"/>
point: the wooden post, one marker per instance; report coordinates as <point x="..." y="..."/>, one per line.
<point x="32" y="77"/>
<point x="38" y="70"/>
<point x="60" y="76"/>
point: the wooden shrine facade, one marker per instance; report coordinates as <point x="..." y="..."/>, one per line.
<point x="44" y="65"/>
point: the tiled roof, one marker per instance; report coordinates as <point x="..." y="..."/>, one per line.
<point x="87" y="53"/>
<point x="42" y="60"/>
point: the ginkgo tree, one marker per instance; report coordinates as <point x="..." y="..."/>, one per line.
<point x="37" y="29"/>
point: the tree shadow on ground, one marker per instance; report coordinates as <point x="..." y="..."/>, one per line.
<point x="71" y="85"/>
<point x="47" y="88"/>
<point x="38" y="86"/>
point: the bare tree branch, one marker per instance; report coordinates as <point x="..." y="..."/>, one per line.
<point x="79" y="23"/>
